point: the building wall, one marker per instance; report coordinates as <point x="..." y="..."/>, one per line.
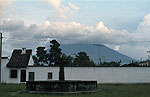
<point x="31" y="62"/>
<point x="4" y="70"/>
<point x="41" y="73"/>
<point x="13" y="80"/>
<point x="101" y="74"/>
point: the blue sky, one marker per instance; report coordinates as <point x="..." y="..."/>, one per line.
<point x="126" y="13"/>
<point x="78" y="21"/>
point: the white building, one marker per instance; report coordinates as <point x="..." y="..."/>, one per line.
<point x="19" y="69"/>
<point x="13" y="70"/>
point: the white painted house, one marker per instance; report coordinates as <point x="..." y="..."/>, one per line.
<point x="19" y="69"/>
<point x="13" y="70"/>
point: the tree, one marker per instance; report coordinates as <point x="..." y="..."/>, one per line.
<point x="68" y="59"/>
<point x="41" y="56"/>
<point x="35" y="60"/>
<point x="81" y="59"/>
<point x="55" y="53"/>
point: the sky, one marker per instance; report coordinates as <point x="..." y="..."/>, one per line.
<point x="123" y="25"/>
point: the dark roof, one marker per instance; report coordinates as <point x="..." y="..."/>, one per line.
<point x="19" y="60"/>
<point x="4" y="57"/>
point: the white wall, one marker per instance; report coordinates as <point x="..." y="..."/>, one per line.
<point x="31" y="62"/>
<point x="41" y="73"/>
<point x="101" y="74"/>
<point x="13" y="80"/>
<point x="4" y="70"/>
<point x="5" y="73"/>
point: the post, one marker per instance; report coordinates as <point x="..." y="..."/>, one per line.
<point x="99" y="56"/>
<point x="99" y="45"/>
<point x="61" y="70"/>
<point x="61" y="73"/>
<point x="0" y="54"/>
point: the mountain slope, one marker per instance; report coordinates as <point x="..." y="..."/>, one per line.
<point x="106" y="54"/>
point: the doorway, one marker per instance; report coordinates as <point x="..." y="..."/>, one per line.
<point x="31" y="76"/>
<point x="23" y="75"/>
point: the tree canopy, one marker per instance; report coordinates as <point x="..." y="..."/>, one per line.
<point x="55" y="52"/>
<point x="68" y="59"/>
<point x="82" y="59"/>
<point x="41" y="57"/>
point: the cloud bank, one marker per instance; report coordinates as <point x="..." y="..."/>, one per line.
<point x="70" y="32"/>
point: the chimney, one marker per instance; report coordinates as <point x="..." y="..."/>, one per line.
<point x="23" y="51"/>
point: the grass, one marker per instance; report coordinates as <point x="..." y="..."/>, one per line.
<point x="107" y="90"/>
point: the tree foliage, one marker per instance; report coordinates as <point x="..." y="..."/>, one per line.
<point x="68" y="59"/>
<point x="55" y="52"/>
<point x="83" y="60"/>
<point x="35" y="60"/>
<point x="41" y="56"/>
<point x="110" y="64"/>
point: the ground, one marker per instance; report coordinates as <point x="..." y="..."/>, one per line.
<point x="106" y="90"/>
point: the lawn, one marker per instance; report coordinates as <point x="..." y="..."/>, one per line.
<point x="107" y="90"/>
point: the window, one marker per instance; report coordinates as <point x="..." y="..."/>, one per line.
<point x="49" y="75"/>
<point x="13" y="74"/>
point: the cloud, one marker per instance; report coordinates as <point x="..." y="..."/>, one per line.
<point x="100" y="26"/>
<point x="74" y="32"/>
<point x="47" y="23"/>
<point x="61" y="9"/>
<point x="117" y="48"/>
<point x="54" y="3"/>
<point x="31" y="36"/>
<point x="5" y="4"/>
<point x="74" y="7"/>
<point x="143" y="30"/>
<point x="144" y="26"/>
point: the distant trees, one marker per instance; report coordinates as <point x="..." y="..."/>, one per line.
<point x="110" y="64"/>
<point x="69" y="59"/>
<point x="81" y="59"/>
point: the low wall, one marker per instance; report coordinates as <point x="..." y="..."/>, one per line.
<point x="101" y="74"/>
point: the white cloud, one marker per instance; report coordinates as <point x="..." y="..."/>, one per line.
<point x="100" y="26"/>
<point x="74" y="32"/>
<point x="63" y="30"/>
<point x="5" y="5"/>
<point x="117" y="48"/>
<point x="6" y="2"/>
<point x="47" y="23"/>
<point x="74" y="7"/>
<point x="54" y="3"/>
<point x="61" y="9"/>
<point x="144" y="26"/>
<point x="66" y="32"/>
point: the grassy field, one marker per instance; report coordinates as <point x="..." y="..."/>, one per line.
<point x="118" y="90"/>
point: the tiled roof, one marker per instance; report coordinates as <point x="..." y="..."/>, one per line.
<point x="19" y="60"/>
